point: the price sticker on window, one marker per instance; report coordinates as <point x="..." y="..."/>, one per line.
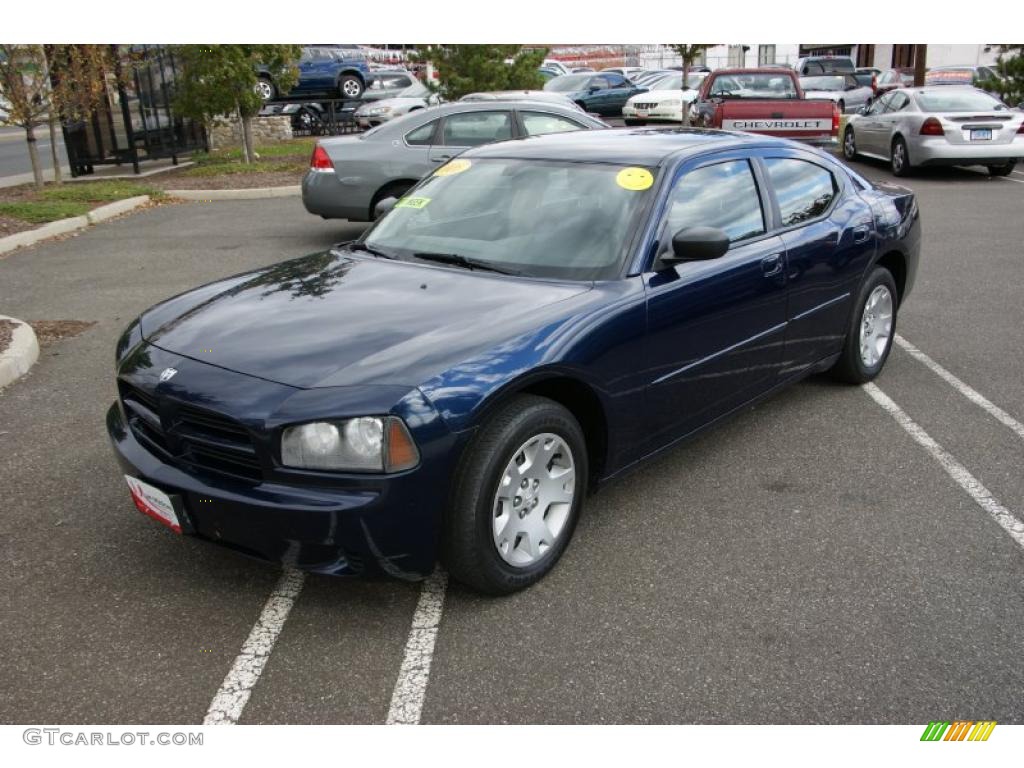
<point x="413" y="202"/>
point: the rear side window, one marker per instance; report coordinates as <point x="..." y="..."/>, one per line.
<point x="723" y="195"/>
<point x="422" y="135"/>
<point x="471" y="129"/>
<point x="537" y="123"/>
<point x="804" y="190"/>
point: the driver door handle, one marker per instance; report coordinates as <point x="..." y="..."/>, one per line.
<point x="772" y="265"/>
<point x="861" y="233"/>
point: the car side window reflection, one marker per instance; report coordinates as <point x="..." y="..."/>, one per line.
<point x="804" y="190"/>
<point x="538" y="123"/>
<point x="723" y="195"/>
<point x="422" y="135"/>
<point x="474" y="128"/>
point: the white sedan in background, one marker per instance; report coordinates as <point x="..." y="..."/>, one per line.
<point x="664" y="101"/>
<point x="374" y="113"/>
<point x="937" y="125"/>
<point x="844" y="90"/>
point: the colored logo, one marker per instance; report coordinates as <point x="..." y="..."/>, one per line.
<point x="958" y="730"/>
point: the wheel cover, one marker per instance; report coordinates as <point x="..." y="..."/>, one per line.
<point x="264" y="90"/>
<point x="534" y="498"/>
<point x="350" y="88"/>
<point x="898" y="155"/>
<point x="850" y="144"/>
<point x="876" y="326"/>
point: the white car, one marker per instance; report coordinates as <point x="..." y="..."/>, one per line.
<point x="374" y="113"/>
<point x="664" y="102"/>
<point x="849" y="95"/>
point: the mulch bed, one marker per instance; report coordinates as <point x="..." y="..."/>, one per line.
<point x="6" y="333"/>
<point x="50" y="331"/>
<point x="176" y="180"/>
<point x="9" y="226"/>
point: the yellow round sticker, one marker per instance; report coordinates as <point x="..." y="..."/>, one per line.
<point x="455" y="166"/>
<point x="634" y="179"/>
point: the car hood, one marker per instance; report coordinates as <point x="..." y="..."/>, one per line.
<point x="341" y="319"/>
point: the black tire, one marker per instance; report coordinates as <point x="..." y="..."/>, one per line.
<point x="631" y="122"/>
<point x="850" y="144"/>
<point x="1002" y="170"/>
<point x="467" y="546"/>
<point x="850" y="366"/>
<point x="350" y="87"/>
<point x="394" y="189"/>
<point x="266" y="89"/>
<point x="899" y="157"/>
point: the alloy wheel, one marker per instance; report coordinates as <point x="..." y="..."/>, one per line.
<point x="849" y="144"/>
<point x="264" y="90"/>
<point x="899" y="156"/>
<point x="351" y="88"/>
<point x="534" y="499"/>
<point x="876" y="326"/>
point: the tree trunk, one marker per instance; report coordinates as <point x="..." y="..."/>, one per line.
<point x="54" y="152"/>
<point x="682" y="101"/>
<point x="920" y="55"/>
<point x="33" y="155"/>
<point x="247" y="148"/>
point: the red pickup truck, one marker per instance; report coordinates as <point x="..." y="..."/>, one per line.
<point x="766" y="101"/>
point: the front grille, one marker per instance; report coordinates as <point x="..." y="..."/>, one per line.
<point x="143" y="413"/>
<point x="645" y="104"/>
<point x="196" y="438"/>
<point x="208" y="440"/>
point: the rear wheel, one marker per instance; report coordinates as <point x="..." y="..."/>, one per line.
<point x="899" y="158"/>
<point x="1002" y="170"/>
<point x="516" y="497"/>
<point x="871" y="330"/>
<point x="849" y="144"/>
<point x="350" y="87"/>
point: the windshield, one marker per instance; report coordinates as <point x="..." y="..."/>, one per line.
<point x="822" y="83"/>
<point x="537" y="218"/>
<point x="757" y="85"/>
<point x="416" y="89"/>
<point x="956" y="100"/>
<point x="567" y="83"/>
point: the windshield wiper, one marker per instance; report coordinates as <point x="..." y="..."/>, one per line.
<point x="372" y="251"/>
<point x="464" y="261"/>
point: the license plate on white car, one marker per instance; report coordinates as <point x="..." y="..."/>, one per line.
<point x="154" y="503"/>
<point x="641" y="113"/>
<point x="981" y="134"/>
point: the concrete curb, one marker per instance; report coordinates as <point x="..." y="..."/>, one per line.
<point x="20" y="355"/>
<point x="64" y="226"/>
<point x="257" y="193"/>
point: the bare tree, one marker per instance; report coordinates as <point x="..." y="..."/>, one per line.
<point x="24" y="83"/>
<point x="689" y="54"/>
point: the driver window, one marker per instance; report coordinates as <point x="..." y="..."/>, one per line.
<point x="723" y="195"/>
<point x="599" y="82"/>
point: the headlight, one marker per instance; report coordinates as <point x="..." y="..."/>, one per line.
<point x="378" y="110"/>
<point x="365" y="444"/>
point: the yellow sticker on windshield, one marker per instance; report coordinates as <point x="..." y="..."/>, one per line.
<point x="634" y="179"/>
<point x="412" y="202"/>
<point x="455" y="166"/>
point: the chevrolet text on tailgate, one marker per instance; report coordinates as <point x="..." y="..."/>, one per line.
<point x="765" y="101"/>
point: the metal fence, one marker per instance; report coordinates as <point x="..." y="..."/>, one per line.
<point x="329" y="117"/>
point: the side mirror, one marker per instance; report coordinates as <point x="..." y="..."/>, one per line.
<point x="384" y="206"/>
<point x="696" y="244"/>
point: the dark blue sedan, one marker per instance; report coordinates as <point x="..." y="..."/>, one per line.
<point x="534" y="318"/>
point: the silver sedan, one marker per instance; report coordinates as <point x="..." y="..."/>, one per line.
<point x="844" y="90"/>
<point x="415" y="96"/>
<point x="349" y="175"/>
<point x="939" y="125"/>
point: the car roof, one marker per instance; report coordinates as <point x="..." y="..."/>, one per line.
<point x="752" y="71"/>
<point x="640" y="146"/>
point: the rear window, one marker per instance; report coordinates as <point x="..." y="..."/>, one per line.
<point x="949" y="76"/>
<point x="827" y="83"/>
<point x="758" y="85"/>
<point x="957" y="100"/>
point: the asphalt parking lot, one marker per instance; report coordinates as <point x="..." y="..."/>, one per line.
<point x="808" y="562"/>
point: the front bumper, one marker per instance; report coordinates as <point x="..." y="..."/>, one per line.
<point x="928" y="150"/>
<point x="663" y="115"/>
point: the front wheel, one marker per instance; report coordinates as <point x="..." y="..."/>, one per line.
<point x="265" y="89"/>
<point x="516" y="497"/>
<point x="1002" y="170"/>
<point x="350" y="87"/>
<point x="899" y="159"/>
<point x="871" y="330"/>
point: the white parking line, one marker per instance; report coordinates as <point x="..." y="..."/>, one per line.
<point x="981" y="495"/>
<point x="1007" y="178"/>
<point x="227" y="705"/>
<point x="411" y="688"/>
<point x="967" y="391"/>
